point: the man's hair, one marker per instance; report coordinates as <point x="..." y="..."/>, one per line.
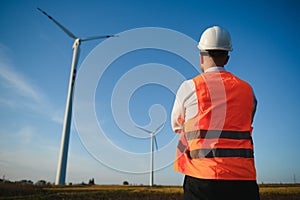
<point x="219" y="56"/>
<point x="217" y="53"/>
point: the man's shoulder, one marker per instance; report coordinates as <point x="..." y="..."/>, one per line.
<point x="240" y="79"/>
<point x="187" y="85"/>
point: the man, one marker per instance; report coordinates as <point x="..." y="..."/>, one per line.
<point x="213" y="113"/>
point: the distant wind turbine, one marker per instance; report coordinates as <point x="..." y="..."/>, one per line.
<point x="152" y="138"/>
<point x="63" y="156"/>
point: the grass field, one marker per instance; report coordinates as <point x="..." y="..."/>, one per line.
<point x="103" y="192"/>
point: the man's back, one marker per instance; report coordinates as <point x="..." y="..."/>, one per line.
<point x="213" y="114"/>
<point x="224" y="96"/>
<point x="219" y="143"/>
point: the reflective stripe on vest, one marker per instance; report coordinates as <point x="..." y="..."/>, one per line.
<point x="217" y="142"/>
<point x="221" y="152"/>
<point x="244" y="140"/>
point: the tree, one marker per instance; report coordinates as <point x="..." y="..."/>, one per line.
<point x="41" y="183"/>
<point x="125" y="183"/>
<point x="92" y="181"/>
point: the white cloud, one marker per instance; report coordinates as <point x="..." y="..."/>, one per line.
<point x="18" y="82"/>
<point x="58" y="117"/>
<point x="26" y="134"/>
<point x="17" y="86"/>
<point x="7" y="103"/>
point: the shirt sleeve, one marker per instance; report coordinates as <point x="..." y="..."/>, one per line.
<point x="178" y="114"/>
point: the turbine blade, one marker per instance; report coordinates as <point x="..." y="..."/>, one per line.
<point x="69" y="33"/>
<point x="97" y="37"/>
<point x="159" y="127"/>
<point x="148" y="131"/>
<point x="144" y="129"/>
<point x="155" y="141"/>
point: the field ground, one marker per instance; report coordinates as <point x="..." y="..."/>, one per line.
<point x="117" y="192"/>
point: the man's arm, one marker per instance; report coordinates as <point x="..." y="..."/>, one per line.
<point x="177" y="116"/>
<point x="182" y="100"/>
<point x="254" y="106"/>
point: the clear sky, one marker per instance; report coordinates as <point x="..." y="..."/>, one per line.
<point x="35" y="61"/>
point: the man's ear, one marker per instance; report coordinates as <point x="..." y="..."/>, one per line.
<point x="201" y="63"/>
<point x="201" y="59"/>
<point x="226" y="61"/>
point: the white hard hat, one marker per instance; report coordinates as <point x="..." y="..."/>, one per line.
<point x="215" y="38"/>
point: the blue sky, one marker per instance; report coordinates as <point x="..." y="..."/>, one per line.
<point x="35" y="60"/>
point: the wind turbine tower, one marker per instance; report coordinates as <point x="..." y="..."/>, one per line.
<point x="63" y="156"/>
<point x="152" y="140"/>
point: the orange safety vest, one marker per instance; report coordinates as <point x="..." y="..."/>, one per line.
<point x="217" y="143"/>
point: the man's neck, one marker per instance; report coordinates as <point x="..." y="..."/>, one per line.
<point x="214" y="68"/>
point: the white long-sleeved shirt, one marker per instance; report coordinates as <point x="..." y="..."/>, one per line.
<point x="186" y="103"/>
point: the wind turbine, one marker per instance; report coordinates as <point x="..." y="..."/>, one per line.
<point x="152" y="138"/>
<point x="63" y="156"/>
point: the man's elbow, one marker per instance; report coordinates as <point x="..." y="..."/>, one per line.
<point x="177" y="130"/>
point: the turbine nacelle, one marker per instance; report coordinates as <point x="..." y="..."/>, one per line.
<point x="152" y="133"/>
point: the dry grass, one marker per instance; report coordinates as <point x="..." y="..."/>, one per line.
<point x="280" y="191"/>
<point x="166" y="189"/>
<point x="117" y="192"/>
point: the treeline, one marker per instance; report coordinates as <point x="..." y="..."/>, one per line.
<point x="42" y="182"/>
<point x="27" y="182"/>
